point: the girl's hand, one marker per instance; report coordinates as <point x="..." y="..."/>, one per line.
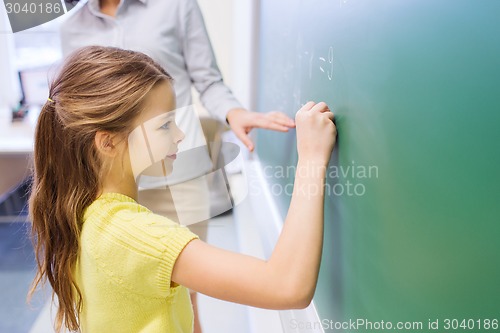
<point x="316" y="132"/>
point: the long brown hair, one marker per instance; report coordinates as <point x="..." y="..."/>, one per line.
<point x="97" y="89"/>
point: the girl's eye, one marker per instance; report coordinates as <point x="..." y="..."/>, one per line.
<point x="166" y="125"/>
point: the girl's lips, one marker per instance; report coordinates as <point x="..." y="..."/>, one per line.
<point x="173" y="156"/>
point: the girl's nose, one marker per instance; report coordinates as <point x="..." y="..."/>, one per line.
<point x="179" y="135"/>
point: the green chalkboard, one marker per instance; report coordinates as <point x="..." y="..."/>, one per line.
<point x="413" y="202"/>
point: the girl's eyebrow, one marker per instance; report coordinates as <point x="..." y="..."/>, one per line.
<point x="169" y="114"/>
<point x="164" y="117"/>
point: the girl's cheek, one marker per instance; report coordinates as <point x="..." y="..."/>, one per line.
<point x="165" y="142"/>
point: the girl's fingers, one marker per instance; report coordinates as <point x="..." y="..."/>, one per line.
<point x="308" y="106"/>
<point x="320" y="107"/>
<point x="330" y="115"/>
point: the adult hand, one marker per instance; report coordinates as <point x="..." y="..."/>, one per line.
<point x="243" y="121"/>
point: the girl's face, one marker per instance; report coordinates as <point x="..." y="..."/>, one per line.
<point x="152" y="144"/>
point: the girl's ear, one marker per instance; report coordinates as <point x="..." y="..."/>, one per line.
<point x="104" y="143"/>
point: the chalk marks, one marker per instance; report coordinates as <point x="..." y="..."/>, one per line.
<point x="325" y="63"/>
<point x="329" y="64"/>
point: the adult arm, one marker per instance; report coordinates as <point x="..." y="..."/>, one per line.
<point x="207" y="79"/>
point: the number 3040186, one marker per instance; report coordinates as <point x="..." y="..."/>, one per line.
<point x="33" y="8"/>
<point x="470" y="324"/>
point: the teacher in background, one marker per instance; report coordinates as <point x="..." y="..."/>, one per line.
<point x="173" y="33"/>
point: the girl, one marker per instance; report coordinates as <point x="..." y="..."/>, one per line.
<point x="113" y="264"/>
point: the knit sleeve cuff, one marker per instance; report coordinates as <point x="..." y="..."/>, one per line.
<point x="174" y="247"/>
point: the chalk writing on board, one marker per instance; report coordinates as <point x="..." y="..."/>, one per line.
<point x="329" y="63"/>
<point x="326" y="64"/>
